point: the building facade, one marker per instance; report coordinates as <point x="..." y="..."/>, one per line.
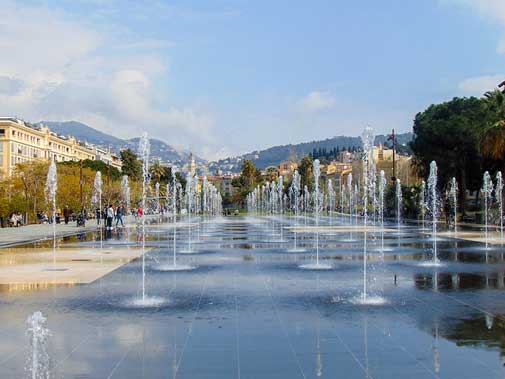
<point x="22" y="142"/>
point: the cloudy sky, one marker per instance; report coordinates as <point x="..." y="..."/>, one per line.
<point x="223" y="77"/>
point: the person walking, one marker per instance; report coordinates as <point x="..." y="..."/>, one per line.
<point x="119" y="215"/>
<point x="110" y="216"/>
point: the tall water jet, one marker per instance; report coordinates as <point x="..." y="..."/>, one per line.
<point x="433" y="202"/>
<point x="50" y="192"/>
<point x="453" y="197"/>
<point x="38" y="335"/>
<point x="399" y="199"/>
<point x="331" y="203"/>
<point x="499" y="199"/>
<point x="158" y="208"/>
<point x="97" y="200"/>
<point x="487" y="192"/>
<point x="368" y="140"/>
<point x="125" y="191"/>
<point x="189" y="205"/>
<point x="350" y="192"/>
<point x="422" y="203"/>
<point x="280" y="195"/>
<point x="144" y="151"/>
<point x="317" y="207"/>
<point x="294" y="192"/>
<point x="382" y="187"/>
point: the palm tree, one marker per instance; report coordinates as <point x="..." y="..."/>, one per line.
<point x="492" y="137"/>
<point x="157" y="171"/>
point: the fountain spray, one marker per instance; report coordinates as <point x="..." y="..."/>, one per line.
<point x="144" y="150"/>
<point x="50" y="192"/>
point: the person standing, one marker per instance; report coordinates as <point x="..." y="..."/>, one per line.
<point x="110" y="216"/>
<point x="98" y="216"/>
<point x="66" y="214"/>
<point x="119" y="215"/>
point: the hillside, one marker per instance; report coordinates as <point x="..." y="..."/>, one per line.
<point x="274" y="155"/>
<point x="83" y="132"/>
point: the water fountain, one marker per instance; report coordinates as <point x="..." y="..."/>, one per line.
<point x="50" y="192"/>
<point x="280" y="206"/>
<point x="144" y="152"/>
<point x="487" y="192"/>
<point x="453" y="197"/>
<point x="368" y="138"/>
<point x="97" y="200"/>
<point x="422" y="203"/>
<point x="399" y="199"/>
<point x="317" y="205"/>
<point x="434" y="206"/>
<point x="499" y="200"/>
<point x="189" y="207"/>
<point x="174" y="189"/>
<point x="38" y="334"/>
<point x="331" y="203"/>
<point x="382" y="187"/>
<point x="294" y="192"/>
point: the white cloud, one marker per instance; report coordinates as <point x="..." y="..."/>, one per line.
<point x="492" y="10"/>
<point x="316" y="101"/>
<point x="58" y="68"/>
<point x="479" y="85"/>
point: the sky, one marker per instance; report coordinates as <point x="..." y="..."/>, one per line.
<point x="225" y="77"/>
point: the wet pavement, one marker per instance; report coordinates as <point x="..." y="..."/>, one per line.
<point x="247" y="309"/>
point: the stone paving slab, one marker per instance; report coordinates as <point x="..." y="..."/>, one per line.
<point x="24" y="267"/>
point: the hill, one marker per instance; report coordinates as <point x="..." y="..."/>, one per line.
<point x="83" y="132"/>
<point x="275" y="155"/>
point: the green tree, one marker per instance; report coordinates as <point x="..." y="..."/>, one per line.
<point x="448" y="134"/>
<point x="492" y="136"/>
<point x="131" y="165"/>
<point x="249" y="174"/>
<point x="306" y="173"/>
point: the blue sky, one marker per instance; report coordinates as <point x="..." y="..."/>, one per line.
<point x="226" y="77"/>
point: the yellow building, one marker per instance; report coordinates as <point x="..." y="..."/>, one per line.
<point x="22" y="142"/>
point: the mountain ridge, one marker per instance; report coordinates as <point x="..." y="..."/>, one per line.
<point x="83" y="132"/>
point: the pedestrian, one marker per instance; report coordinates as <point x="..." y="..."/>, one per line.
<point x="110" y="216"/>
<point x="66" y="214"/>
<point x="98" y="216"/>
<point x="119" y="215"/>
<point x="139" y="212"/>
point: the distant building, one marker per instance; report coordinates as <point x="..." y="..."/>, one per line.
<point x="191" y="166"/>
<point x="287" y="168"/>
<point x="23" y="142"/>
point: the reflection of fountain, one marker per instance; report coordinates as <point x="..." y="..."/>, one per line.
<point x="50" y="192"/>
<point x="489" y="321"/>
<point x="436" y="353"/>
<point x="38" y="334"/>
<point x="319" y="360"/>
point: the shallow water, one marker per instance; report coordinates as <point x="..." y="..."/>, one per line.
<point x="247" y="310"/>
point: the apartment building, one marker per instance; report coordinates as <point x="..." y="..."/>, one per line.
<point x="23" y="142"/>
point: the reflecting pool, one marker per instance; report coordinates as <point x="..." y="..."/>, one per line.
<point x="245" y="309"/>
